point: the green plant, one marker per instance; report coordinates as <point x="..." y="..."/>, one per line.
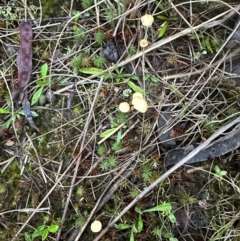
<point x="121" y="117"/>
<point x="108" y="163"/>
<point x="231" y="111"/>
<point x="146" y="172"/>
<point x="79" y="33"/>
<point x="45" y="81"/>
<point x="10" y="13"/>
<point x="80" y="61"/>
<point x="87" y="3"/>
<point x="219" y="172"/>
<point x="187" y="198"/>
<point x="16" y="115"/>
<point x="80" y="191"/>
<point x="208" y="43"/>
<point x="110" y="14"/>
<point x="209" y="126"/>
<point x="137" y="225"/>
<point x="165" y="16"/>
<point x="104" y="165"/>
<point x="116" y="146"/>
<point x="42" y="231"/>
<point x="134" y="192"/>
<point x="99" y="37"/>
<point x="101" y="150"/>
<point x="2" y="188"/>
<point x="81" y="219"/>
<point x="112" y="161"/>
<point x="132" y="50"/>
<point x="98" y="61"/>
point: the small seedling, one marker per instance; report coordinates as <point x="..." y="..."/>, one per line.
<point x="42" y="83"/>
<point x="15" y="116"/>
<point x="98" y="61"/>
<point x="42" y="231"/>
<point x="99" y="37"/>
<point x="219" y="172"/>
<point x="137" y="226"/>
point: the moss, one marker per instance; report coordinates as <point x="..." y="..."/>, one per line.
<point x="49" y="8"/>
<point x="2" y="188"/>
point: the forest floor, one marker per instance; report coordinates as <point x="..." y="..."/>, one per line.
<point x="92" y="164"/>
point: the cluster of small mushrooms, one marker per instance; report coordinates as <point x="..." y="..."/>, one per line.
<point x="138" y="101"/>
<point x="147" y="21"/>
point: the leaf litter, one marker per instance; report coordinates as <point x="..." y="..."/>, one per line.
<point x="56" y="151"/>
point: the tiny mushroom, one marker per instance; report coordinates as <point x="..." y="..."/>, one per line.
<point x="96" y="226"/>
<point x="137" y="94"/>
<point x="124" y="107"/>
<point x="147" y="20"/>
<point x="140" y="104"/>
<point x="143" y="43"/>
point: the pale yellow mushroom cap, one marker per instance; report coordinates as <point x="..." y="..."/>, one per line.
<point x="96" y="226"/>
<point x="143" y="43"/>
<point x="140" y="104"/>
<point x="147" y="20"/>
<point x="124" y="107"/>
<point x="137" y="94"/>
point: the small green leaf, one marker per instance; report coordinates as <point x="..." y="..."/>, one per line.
<point x="163" y="29"/>
<point x="44" y="70"/>
<point x="173" y="239"/>
<point x="42" y="82"/>
<point x="20" y="112"/>
<point x="4" y="111"/>
<point x="138" y="210"/>
<point x="222" y="173"/>
<point x="135" y="87"/>
<point x="107" y="132"/>
<point x="36" y="96"/>
<point x="93" y="71"/>
<point x="162" y="17"/>
<point x="132" y="235"/>
<point x="44" y="234"/>
<point x="134" y="228"/>
<point x="217" y="169"/>
<point x="64" y="80"/>
<point x="165" y="207"/>
<point x="53" y="228"/>
<point x="122" y="226"/>
<point x="76" y="15"/>
<point x="135" y="78"/>
<point x="174" y="90"/>
<point x="208" y="44"/>
<point x="139" y="223"/>
<point x="27" y="237"/>
<point x="38" y="232"/>
<point x="167" y="235"/>
<point x="34" y="113"/>
<point x="119" y="137"/>
<point x="172" y="218"/>
<point x="8" y="122"/>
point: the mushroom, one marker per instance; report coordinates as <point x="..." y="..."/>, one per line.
<point x="147" y="20"/>
<point x="124" y="107"/>
<point x="96" y="226"/>
<point x="143" y="43"/>
<point x="140" y="104"/>
<point x="137" y="94"/>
